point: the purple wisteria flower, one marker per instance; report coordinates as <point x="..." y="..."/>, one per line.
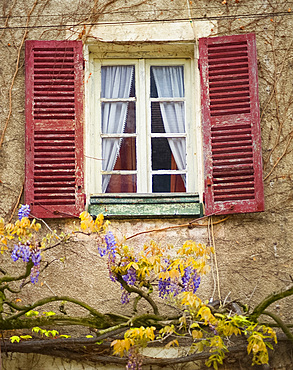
<point x="15" y="255"/>
<point x="125" y="296"/>
<point x="190" y="282"/>
<point x="111" y="246"/>
<point x="110" y="251"/>
<point x="36" y="256"/>
<point x="35" y="272"/>
<point x="21" y="251"/>
<point x="130" y="277"/>
<point x="24" y="211"/>
<point x="164" y="287"/>
<point x="25" y="252"/>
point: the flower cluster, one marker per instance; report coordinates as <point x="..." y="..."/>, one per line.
<point x="167" y="287"/>
<point x="109" y="250"/>
<point x="125" y="296"/>
<point x="111" y="246"/>
<point x="27" y="252"/>
<point x="134" y="359"/>
<point x="130" y="277"/>
<point x="24" y="211"/>
<point x="190" y="282"/>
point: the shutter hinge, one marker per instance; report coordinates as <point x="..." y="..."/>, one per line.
<point x="209" y="181"/>
<point x="198" y="64"/>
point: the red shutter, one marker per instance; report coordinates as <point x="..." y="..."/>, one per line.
<point x="54" y="128"/>
<point x="231" y="126"/>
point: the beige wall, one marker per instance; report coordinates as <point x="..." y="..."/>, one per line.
<point x="253" y="251"/>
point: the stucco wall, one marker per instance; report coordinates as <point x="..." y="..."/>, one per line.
<point x="253" y="251"/>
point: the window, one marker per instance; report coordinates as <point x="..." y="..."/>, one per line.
<point x="144" y="126"/>
<point x="141" y="136"/>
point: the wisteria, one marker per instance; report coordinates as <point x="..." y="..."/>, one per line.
<point x="130" y="277"/>
<point x="185" y="280"/>
<point x="109" y="250"/>
<point x="125" y="296"/>
<point x="27" y="252"/>
<point x="24" y="211"/>
<point x="164" y="287"/>
<point x="134" y="359"/>
<point x="21" y="251"/>
<point x="190" y="282"/>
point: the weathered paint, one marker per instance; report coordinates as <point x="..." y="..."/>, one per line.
<point x="54" y="128"/>
<point x="146" y="206"/>
<point x="231" y="125"/>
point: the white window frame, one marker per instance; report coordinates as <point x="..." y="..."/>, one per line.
<point x="142" y="78"/>
<point x="104" y="52"/>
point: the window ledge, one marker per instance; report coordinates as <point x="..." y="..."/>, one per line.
<point x="146" y="205"/>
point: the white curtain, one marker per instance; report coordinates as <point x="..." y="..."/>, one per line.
<point x="116" y="83"/>
<point x="170" y="84"/>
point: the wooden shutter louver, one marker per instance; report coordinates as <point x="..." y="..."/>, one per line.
<point x="231" y="127"/>
<point x="54" y="128"/>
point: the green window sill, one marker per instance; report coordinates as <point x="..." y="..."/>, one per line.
<point x="146" y="205"/>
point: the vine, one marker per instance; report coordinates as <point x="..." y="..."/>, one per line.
<point x="276" y="98"/>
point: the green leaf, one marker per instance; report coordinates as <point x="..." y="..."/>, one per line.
<point x="31" y="313"/>
<point x="89" y="336"/>
<point x="54" y="333"/>
<point x="194" y="325"/>
<point x="15" y="338"/>
<point x="49" y="313"/>
<point x="36" y="329"/>
<point x="64" y="336"/>
<point x="25" y="337"/>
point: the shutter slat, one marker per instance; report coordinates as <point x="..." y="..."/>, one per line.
<point x="231" y="128"/>
<point x="54" y="128"/>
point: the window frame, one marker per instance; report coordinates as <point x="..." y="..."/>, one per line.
<point x="142" y="71"/>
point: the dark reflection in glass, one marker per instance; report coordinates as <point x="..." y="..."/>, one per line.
<point x="168" y="184"/>
<point x="126" y="158"/>
<point x="121" y="184"/>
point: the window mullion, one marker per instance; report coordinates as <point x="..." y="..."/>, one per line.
<point x="141" y="117"/>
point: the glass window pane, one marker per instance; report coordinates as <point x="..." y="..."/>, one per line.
<point x="168" y="117"/>
<point x="130" y="125"/>
<point x="168" y="184"/>
<point x="120" y="183"/>
<point x="161" y="154"/>
<point x="168" y="154"/>
<point x="117" y="82"/>
<point x="118" y="118"/>
<point x="123" y="149"/>
<point x="167" y="82"/>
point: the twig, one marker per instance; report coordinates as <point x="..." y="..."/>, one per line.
<point x="7" y="18"/>
<point x="260" y="308"/>
<point x="133" y="289"/>
<point x="191" y="223"/>
<point x="216" y="263"/>
<point x="16" y="204"/>
<point x="281" y="156"/>
<point x="15" y="73"/>
<point x="280" y="323"/>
